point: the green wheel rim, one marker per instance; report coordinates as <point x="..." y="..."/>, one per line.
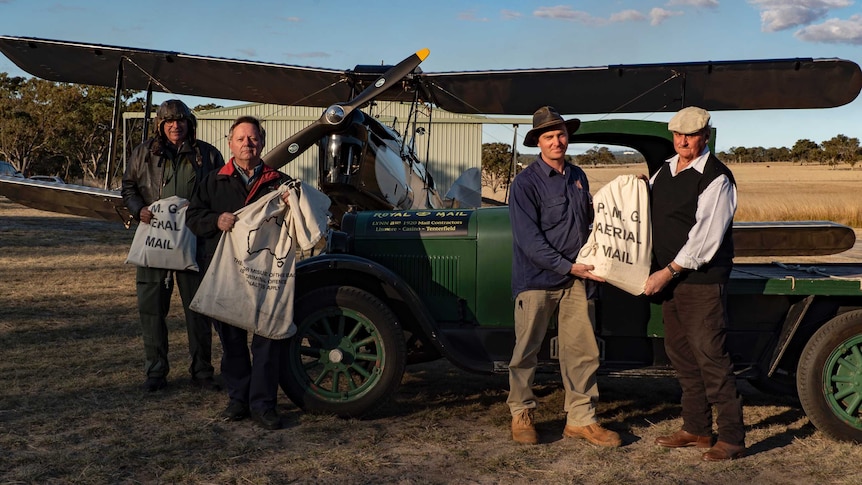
<point x="342" y="355"/>
<point x="842" y="381"/>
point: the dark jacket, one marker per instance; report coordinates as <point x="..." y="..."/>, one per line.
<point x="550" y="214"/>
<point x="225" y="191"/>
<point x="145" y="173"/>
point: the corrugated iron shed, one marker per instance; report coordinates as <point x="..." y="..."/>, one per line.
<point x="451" y="144"/>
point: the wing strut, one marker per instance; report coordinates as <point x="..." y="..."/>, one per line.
<point x="115" y="126"/>
<point x="514" y="162"/>
<point x="147" y="111"/>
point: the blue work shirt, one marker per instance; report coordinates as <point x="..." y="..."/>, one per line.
<point x="550" y="213"/>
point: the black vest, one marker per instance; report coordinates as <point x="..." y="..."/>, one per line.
<point x="673" y="206"/>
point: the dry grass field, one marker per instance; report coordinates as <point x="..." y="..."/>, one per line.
<point x="71" y="410"/>
<point x="774" y="192"/>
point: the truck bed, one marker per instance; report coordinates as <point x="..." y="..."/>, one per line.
<point x="778" y="278"/>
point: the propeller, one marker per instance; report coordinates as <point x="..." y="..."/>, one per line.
<point x="334" y="116"/>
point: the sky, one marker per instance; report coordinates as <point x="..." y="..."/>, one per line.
<point x="482" y="35"/>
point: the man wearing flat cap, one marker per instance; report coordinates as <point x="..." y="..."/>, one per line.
<point x="551" y="210"/>
<point x="692" y="202"/>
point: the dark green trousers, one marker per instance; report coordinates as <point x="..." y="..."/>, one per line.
<point x="154" y="288"/>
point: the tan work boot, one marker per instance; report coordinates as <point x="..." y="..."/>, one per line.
<point x="523" y="430"/>
<point x="594" y="433"/>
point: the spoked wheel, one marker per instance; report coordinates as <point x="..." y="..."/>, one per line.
<point x="829" y="377"/>
<point x="348" y="355"/>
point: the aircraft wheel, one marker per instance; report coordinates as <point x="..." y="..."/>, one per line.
<point x="348" y="355"/>
<point x="829" y="377"/>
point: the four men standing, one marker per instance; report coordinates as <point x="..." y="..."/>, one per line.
<point x="693" y="200"/>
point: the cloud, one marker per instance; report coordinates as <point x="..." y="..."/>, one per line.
<point x="834" y="31"/>
<point x="564" y="12"/>
<point x="305" y="55"/>
<point x="694" y="3"/>
<point x="249" y="53"/>
<point x="777" y="15"/>
<point x="510" y="14"/>
<point x="470" y="16"/>
<point x="291" y="19"/>
<point x="659" y="15"/>
<point x="627" y="16"/>
<point x="656" y="15"/>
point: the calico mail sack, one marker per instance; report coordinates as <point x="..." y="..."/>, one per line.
<point x="165" y="242"/>
<point x="251" y="279"/>
<point x="620" y="244"/>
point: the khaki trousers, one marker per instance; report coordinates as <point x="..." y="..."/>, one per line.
<point x="578" y="351"/>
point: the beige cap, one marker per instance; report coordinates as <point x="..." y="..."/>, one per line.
<point x="689" y="120"/>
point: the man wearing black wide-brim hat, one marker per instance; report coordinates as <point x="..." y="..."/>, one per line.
<point x="551" y="210"/>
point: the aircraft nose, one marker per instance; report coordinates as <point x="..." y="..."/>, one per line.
<point x="334" y="114"/>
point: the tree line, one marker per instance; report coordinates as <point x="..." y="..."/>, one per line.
<point x="834" y="151"/>
<point x="498" y="167"/>
<point x="56" y="128"/>
<point x="64" y="129"/>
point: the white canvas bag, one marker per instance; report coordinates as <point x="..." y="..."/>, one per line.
<point x="165" y="242"/>
<point x="251" y="279"/>
<point x="620" y="244"/>
<point x="309" y="214"/>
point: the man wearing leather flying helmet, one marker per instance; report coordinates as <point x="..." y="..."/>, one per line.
<point x="170" y="163"/>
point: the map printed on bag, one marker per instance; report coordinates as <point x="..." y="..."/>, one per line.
<point x="620" y="244"/>
<point x="267" y="238"/>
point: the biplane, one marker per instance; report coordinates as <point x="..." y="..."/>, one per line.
<point x="364" y="164"/>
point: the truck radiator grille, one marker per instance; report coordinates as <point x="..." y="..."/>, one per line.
<point x="428" y="275"/>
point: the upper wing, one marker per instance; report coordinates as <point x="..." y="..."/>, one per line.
<point x="648" y="88"/>
<point x="175" y="72"/>
<point x="66" y="199"/>
<point x="644" y="88"/>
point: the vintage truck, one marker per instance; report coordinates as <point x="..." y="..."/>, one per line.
<point x="401" y="287"/>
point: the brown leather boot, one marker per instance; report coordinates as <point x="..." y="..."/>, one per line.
<point x="594" y="433"/>
<point x="724" y="451"/>
<point x="683" y="438"/>
<point x="523" y="430"/>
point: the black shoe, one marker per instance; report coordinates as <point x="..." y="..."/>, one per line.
<point x="153" y="384"/>
<point x="235" y="411"/>
<point x="206" y="383"/>
<point x="268" y="419"/>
